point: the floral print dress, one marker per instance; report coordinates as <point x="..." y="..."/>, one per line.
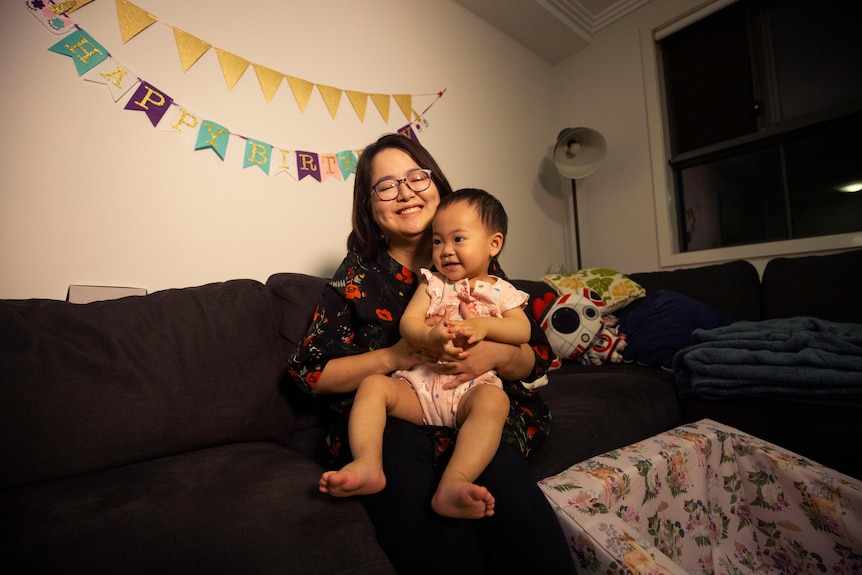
<point x="359" y="311"/>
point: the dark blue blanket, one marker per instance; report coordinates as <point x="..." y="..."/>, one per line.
<point x="798" y="359"/>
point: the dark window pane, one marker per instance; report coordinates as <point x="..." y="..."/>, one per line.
<point x="709" y="85"/>
<point x="818" y="58"/>
<point x="817" y="165"/>
<point x="732" y="201"/>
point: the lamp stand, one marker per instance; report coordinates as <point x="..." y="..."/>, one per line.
<point x="577" y="226"/>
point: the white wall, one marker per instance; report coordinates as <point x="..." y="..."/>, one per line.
<point x="602" y="87"/>
<point x="93" y="194"/>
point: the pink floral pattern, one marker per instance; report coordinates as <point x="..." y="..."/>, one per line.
<point x="705" y="498"/>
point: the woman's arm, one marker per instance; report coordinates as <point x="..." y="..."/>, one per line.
<point x="512" y="362"/>
<point x="343" y="374"/>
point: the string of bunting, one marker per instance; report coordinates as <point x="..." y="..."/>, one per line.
<point x="94" y="63"/>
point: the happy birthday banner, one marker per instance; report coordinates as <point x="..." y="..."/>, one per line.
<point x="94" y="63"/>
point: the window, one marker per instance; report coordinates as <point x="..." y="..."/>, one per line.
<point x="763" y="104"/>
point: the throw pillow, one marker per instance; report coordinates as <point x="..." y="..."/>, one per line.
<point x="616" y="290"/>
<point x="662" y="324"/>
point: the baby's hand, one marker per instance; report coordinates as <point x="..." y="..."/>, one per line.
<point x="440" y="333"/>
<point x="472" y="329"/>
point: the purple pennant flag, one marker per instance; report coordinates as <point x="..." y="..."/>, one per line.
<point x="308" y="164"/>
<point x="407" y="132"/>
<point x="153" y="102"/>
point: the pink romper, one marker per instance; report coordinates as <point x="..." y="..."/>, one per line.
<point x="439" y="405"/>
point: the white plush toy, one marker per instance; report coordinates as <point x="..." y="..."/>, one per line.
<point x="577" y="329"/>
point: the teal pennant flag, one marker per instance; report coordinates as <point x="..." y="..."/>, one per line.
<point x="213" y="136"/>
<point x="83" y="49"/>
<point x="346" y="163"/>
<point x="257" y="153"/>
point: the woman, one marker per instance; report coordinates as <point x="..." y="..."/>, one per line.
<point x="355" y="333"/>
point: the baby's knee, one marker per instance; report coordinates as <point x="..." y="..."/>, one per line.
<point x="492" y="398"/>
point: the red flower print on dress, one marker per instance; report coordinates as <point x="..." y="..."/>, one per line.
<point x="312" y="378"/>
<point x="542" y="350"/>
<point x="352" y="291"/>
<point x="384" y="314"/>
<point x="405" y="276"/>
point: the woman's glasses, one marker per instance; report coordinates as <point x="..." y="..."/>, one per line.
<point x="417" y="180"/>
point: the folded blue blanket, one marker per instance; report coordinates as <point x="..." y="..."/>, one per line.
<point x="797" y="359"/>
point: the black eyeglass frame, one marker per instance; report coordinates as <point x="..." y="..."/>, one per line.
<point x="406" y="181"/>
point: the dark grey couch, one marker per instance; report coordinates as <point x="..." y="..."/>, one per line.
<point x="156" y="434"/>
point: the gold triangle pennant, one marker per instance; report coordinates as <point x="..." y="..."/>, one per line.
<point x="269" y="80"/>
<point x="331" y="97"/>
<point x="405" y="102"/>
<point x="301" y="91"/>
<point x="381" y="102"/>
<point x="133" y="20"/>
<point x="68" y="7"/>
<point x="359" y="100"/>
<point x="190" y="48"/>
<point x="232" y="66"/>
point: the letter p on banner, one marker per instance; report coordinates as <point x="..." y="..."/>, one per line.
<point x="151" y="101"/>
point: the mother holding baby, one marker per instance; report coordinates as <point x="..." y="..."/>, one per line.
<point x="355" y="333"/>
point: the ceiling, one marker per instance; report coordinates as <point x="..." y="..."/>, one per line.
<point x="553" y="29"/>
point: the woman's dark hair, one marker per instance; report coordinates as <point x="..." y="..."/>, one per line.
<point x="490" y="210"/>
<point x="366" y="238"/>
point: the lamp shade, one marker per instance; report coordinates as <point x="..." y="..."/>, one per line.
<point x="578" y="152"/>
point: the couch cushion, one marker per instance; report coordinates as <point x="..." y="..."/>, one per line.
<point x="93" y="386"/>
<point x="241" y="508"/>
<point x="598" y="408"/>
<point x="733" y="287"/>
<point x="826" y="287"/>
<point x="297" y="296"/>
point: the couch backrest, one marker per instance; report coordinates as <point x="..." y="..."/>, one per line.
<point x="732" y="287"/>
<point x="296" y="298"/>
<point x="93" y="386"/>
<point x="823" y="286"/>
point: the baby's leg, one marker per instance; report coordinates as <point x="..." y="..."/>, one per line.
<point x="376" y="397"/>
<point x="483" y="411"/>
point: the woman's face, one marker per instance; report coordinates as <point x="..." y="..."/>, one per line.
<point x="408" y="217"/>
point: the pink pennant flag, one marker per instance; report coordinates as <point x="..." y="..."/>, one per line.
<point x="329" y="167"/>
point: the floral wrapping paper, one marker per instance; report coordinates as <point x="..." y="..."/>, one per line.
<point x="705" y="498"/>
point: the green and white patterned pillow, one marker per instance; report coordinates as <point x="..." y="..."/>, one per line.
<point x="617" y="290"/>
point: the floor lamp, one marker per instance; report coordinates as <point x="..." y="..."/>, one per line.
<point x="577" y="154"/>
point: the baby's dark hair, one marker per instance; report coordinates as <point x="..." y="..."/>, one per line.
<point x="490" y="209"/>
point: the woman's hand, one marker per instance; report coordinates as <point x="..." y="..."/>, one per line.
<point x="480" y="358"/>
<point x="405" y="356"/>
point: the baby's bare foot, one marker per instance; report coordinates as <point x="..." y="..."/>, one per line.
<point x="463" y="500"/>
<point x="355" y="478"/>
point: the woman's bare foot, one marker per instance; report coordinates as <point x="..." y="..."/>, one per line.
<point x="355" y="478"/>
<point x="463" y="500"/>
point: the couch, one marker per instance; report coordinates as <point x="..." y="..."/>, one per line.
<point x="158" y="433"/>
